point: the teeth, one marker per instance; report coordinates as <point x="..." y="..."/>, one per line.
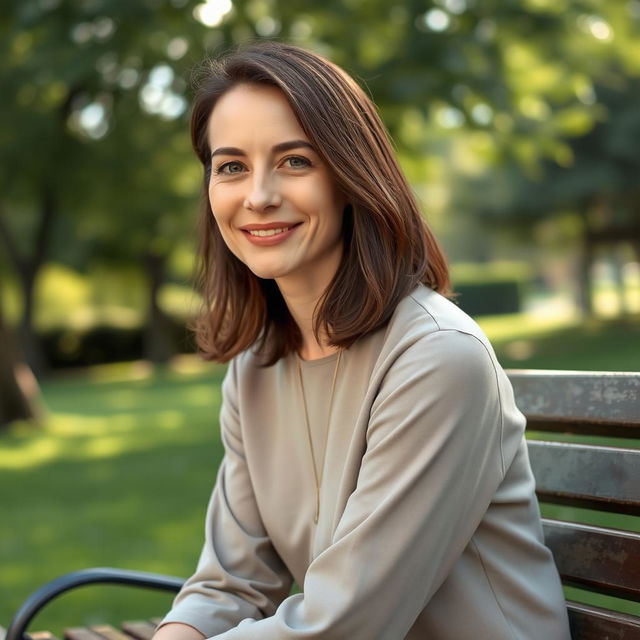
<point x="267" y="232"/>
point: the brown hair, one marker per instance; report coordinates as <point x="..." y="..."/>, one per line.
<point x="388" y="248"/>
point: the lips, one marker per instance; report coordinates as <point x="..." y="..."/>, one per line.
<point x="269" y="225"/>
<point x="270" y="233"/>
<point x="269" y="229"/>
<point x="263" y="233"/>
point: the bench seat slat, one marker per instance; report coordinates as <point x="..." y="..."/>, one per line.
<point x="595" y="558"/>
<point x="600" y="477"/>
<point x="593" y="623"/>
<point x="81" y="633"/>
<point x="575" y="396"/>
<point x="109" y="633"/>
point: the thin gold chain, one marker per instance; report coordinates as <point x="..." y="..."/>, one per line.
<point x="318" y="476"/>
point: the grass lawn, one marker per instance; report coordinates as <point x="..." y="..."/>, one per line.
<point x="533" y="342"/>
<point x="121" y="472"/>
<point x="120" y="476"/>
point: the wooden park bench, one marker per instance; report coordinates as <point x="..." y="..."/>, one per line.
<point x="569" y="415"/>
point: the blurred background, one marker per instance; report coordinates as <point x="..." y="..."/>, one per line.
<point x="516" y="121"/>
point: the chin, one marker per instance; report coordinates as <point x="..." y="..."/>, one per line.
<point x="266" y="272"/>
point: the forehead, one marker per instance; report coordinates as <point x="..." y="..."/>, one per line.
<point x="252" y="112"/>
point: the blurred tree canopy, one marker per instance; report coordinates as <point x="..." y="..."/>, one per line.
<point x="596" y="188"/>
<point x="96" y="164"/>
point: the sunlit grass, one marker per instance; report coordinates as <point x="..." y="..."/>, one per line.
<point x="533" y="342"/>
<point x="118" y="475"/>
<point x="519" y="325"/>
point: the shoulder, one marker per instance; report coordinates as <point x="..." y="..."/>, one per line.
<point x="427" y="322"/>
<point x="432" y="350"/>
<point x="427" y="311"/>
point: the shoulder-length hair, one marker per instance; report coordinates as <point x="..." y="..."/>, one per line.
<point x="388" y="247"/>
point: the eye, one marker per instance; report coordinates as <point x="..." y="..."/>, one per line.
<point x="230" y="168"/>
<point x="297" y="162"/>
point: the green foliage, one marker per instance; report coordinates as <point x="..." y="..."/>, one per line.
<point x="99" y="91"/>
<point x="115" y="296"/>
<point x="98" y="94"/>
<point x="593" y="182"/>
<point x="490" y="298"/>
<point x="490" y="288"/>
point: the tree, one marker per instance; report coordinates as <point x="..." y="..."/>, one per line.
<point x="597" y="186"/>
<point x="98" y="94"/>
<point x="72" y="77"/>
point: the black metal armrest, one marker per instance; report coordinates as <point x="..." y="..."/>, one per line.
<point x="99" y="575"/>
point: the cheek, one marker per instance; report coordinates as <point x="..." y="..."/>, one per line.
<point x="219" y="206"/>
<point x="220" y="215"/>
<point x="226" y="201"/>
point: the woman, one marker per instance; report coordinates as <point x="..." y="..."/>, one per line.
<point x="373" y="450"/>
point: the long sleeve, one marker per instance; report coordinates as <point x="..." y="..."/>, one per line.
<point x="239" y="574"/>
<point x="432" y="464"/>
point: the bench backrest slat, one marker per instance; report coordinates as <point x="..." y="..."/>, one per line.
<point x="580" y="397"/>
<point x="601" y="478"/>
<point x="595" y="558"/>
<point x="593" y="623"/>
<point x="606" y="478"/>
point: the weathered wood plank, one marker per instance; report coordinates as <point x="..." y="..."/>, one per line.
<point x="599" y="477"/>
<point x="41" y="635"/>
<point x="109" y="633"/>
<point x="81" y="633"/>
<point x="593" y="623"/>
<point x="96" y="632"/>
<point x="595" y="558"/>
<point x="586" y="398"/>
<point x="139" y="629"/>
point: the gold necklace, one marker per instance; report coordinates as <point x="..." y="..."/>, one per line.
<point x="318" y="476"/>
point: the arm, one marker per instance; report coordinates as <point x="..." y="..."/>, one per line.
<point x="432" y="464"/>
<point x="239" y="574"/>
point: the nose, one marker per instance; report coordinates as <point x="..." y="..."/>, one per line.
<point x="263" y="193"/>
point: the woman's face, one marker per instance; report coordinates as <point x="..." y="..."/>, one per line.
<point x="275" y="202"/>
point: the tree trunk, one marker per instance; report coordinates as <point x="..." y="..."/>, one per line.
<point x="28" y="338"/>
<point x="585" y="284"/>
<point x="617" y="264"/>
<point x="19" y="393"/>
<point x="158" y="345"/>
<point x="28" y="269"/>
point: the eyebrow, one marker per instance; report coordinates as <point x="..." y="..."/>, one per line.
<point x="278" y="148"/>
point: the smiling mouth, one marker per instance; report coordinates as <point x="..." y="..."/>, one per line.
<point x="264" y="233"/>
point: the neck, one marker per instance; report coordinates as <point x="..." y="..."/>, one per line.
<point x="301" y="301"/>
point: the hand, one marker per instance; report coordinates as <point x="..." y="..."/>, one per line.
<point x="177" y="631"/>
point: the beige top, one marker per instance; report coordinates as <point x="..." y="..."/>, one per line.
<point x="429" y="526"/>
